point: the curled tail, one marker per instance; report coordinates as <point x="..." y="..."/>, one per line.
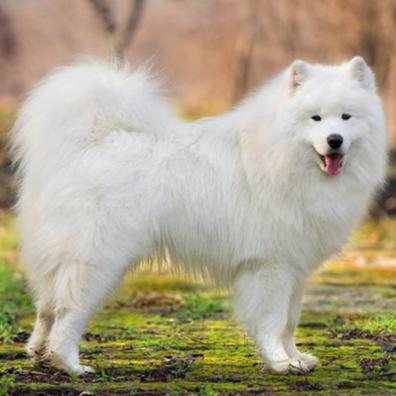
<point x="80" y="104"/>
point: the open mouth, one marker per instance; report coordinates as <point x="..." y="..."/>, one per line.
<point x="331" y="163"/>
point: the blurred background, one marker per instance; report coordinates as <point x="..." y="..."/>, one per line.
<point x="210" y="52"/>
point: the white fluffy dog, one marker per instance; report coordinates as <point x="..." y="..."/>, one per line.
<point x="256" y="198"/>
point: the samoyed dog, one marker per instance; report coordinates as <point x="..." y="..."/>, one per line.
<point x="254" y="199"/>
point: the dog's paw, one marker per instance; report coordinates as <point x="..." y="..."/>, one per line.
<point x="80" y="370"/>
<point x="76" y="369"/>
<point x="289" y="366"/>
<point x="65" y="363"/>
<point x="35" y="352"/>
<point x="310" y="360"/>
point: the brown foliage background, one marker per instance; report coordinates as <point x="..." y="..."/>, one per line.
<point x="211" y="52"/>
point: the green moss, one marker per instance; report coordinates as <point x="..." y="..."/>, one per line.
<point x="165" y="335"/>
<point x="199" y="307"/>
<point x="14" y="303"/>
<point x="7" y="384"/>
<point x="379" y="324"/>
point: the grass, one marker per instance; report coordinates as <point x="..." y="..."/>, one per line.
<point x="14" y="301"/>
<point x="164" y="335"/>
<point x="385" y="323"/>
<point x="375" y="326"/>
<point x="198" y="307"/>
<point x="7" y="385"/>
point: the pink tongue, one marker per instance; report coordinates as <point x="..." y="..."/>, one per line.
<point x="333" y="164"/>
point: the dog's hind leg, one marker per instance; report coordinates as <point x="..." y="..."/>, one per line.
<point x="79" y="288"/>
<point x="36" y="345"/>
<point x="41" y="285"/>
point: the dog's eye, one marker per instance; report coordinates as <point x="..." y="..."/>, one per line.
<point x="346" y="116"/>
<point x="317" y="117"/>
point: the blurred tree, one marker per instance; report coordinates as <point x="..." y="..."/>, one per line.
<point x="105" y="14"/>
<point x="374" y="23"/>
<point x="122" y="36"/>
<point x="286" y="21"/>
<point x="245" y="46"/>
<point x="7" y="36"/>
<point x="127" y="33"/>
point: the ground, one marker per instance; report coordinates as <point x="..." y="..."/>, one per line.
<point x="163" y="334"/>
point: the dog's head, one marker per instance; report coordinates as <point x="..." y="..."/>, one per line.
<point x="335" y="112"/>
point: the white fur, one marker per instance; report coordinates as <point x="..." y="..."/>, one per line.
<point x="109" y="177"/>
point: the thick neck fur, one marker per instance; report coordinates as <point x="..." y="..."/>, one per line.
<point x="276" y="165"/>
<point x="284" y="183"/>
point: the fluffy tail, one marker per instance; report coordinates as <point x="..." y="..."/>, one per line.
<point x="80" y="104"/>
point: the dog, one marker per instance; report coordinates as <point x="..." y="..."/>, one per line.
<point x="256" y="198"/>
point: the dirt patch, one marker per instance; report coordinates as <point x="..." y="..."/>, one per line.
<point x="21" y="337"/>
<point x="369" y="365"/>
<point x="172" y="367"/>
<point x="155" y="302"/>
<point x="307" y="385"/>
<point x="385" y="339"/>
<point x="38" y="375"/>
<point x="45" y="391"/>
<point x="389" y="348"/>
<point x="13" y="355"/>
<point x="349" y="298"/>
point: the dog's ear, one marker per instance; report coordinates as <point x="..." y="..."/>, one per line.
<point x="358" y="70"/>
<point x="298" y="73"/>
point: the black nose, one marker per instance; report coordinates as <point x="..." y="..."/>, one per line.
<point x="334" y="141"/>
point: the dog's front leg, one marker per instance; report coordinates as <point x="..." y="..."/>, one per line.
<point x="292" y="322"/>
<point x="262" y="296"/>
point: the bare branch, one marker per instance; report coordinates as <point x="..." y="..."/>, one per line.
<point x="125" y="38"/>
<point x="8" y="41"/>
<point x="245" y="49"/>
<point x="104" y="13"/>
